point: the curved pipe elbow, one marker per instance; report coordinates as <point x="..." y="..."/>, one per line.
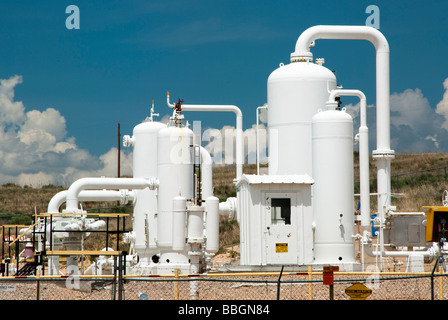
<point x="239" y="129"/>
<point x="124" y="196"/>
<point x="105" y="183"/>
<point x="346" y="92"/>
<point x="305" y="40"/>
<point x="351" y="92"/>
<point x="171" y="105"/>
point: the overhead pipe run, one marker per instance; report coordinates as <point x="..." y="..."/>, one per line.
<point x="383" y="154"/>
<point x="124" y="196"/>
<point x="178" y="107"/>
<point x="74" y="190"/>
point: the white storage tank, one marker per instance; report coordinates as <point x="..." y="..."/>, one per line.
<point x="144" y="142"/>
<point x="175" y="175"/>
<point x="333" y="203"/>
<point x="295" y="93"/>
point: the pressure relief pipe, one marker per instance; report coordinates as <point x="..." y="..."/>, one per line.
<point x="239" y="126"/>
<point x="383" y="154"/>
<point x="364" y="177"/>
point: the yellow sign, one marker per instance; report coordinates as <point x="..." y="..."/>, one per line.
<point x="281" y="247"/>
<point x="434" y="217"/>
<point x="358" y="291"/>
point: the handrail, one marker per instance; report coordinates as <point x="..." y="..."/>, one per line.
<point x="23" y="233"/>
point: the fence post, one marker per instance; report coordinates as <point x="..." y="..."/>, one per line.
<point x="37" y="287"/>
<point x="114" y="281"/>
<point x="176" y="284"/>
<point x="278" y="283"/>
<point x="120" y="275"/>
<point x="440" y="283"/>
<point x="310" y="284"/>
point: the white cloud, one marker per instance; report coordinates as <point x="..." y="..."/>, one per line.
<point x="415" y="126"/>
<point x="11" y="112"/>
<point x="35" y="149"/>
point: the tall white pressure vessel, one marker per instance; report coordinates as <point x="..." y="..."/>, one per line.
<point x="175" y="174"/>
<point x="295" y="93"/>
<point x="144" y="141"/>
<point x="333" y="204"/>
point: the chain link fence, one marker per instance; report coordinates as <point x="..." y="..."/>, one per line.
<point x="237" y="286"/>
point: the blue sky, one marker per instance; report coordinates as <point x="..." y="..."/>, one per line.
<point x="127" y="53"/>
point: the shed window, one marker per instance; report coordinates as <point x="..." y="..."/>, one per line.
<point x="281" y="211"/>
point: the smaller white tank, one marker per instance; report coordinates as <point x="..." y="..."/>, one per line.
<point x="333" y="203"/>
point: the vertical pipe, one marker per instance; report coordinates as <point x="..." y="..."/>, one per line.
<point x="258" y="141"/>
<point x="107" y="233"/>
<point x="17" y="249"/>
<point x="51" y="232"/>
<point x="118" y="233"/>
<point x="119" y="150"/>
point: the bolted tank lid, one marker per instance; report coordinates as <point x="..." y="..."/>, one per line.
<point x="304" y="56"/>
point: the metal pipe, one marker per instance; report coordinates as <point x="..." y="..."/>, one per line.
<point x="171" y="105"/>
<point x="124" y="196"/>
<point x="258" y="140"/>
<point x="383" y="154"/>
<point x="206" y="173"/>
<point x="430" y="252"/>
<point x="74" y="190"/>
<point x="239" y="127"/>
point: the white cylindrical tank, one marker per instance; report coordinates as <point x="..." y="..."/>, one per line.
<point x="175" y="175"/>
<point x="295" y="93"/>
<point x="212" y="224"/>
<point x="333" y="203"/>
<point x="179" y="220"/>
<point x="144" y="141"/>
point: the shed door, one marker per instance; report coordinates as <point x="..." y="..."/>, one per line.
<point x="281" y="228"/>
